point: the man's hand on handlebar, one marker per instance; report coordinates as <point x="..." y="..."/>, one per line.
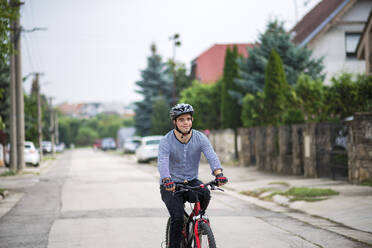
<point x="221" y="179"/>
<point x="169" y="184"/>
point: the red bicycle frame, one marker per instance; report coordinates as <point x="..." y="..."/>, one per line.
<point x="195" y="212"/>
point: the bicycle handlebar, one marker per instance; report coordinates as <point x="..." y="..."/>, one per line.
<point x="184" y="187"/>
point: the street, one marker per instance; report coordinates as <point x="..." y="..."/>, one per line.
<point x="95" y="199"/>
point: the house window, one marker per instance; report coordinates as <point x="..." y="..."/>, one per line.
<point x="351" y="43"/>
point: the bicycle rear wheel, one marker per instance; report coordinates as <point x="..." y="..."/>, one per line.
<point x="206" y="237"/>
<point x="167" y="234"/>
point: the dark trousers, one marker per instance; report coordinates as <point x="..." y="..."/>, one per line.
<point x="175" y="203"/>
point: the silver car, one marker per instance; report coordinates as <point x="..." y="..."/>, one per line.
<point x="148" y="149"/>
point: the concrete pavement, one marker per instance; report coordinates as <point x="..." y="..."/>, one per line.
<point x="348" y="214"/>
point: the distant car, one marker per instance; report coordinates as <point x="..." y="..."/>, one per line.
<point x="131" y="144"/>
<point x="60" y="147"/>
<point x="46" y="146"/>
<point x="31" y="154"/>
<point x="97" y="144"/>
<point x="108" y="144"/>
<point x="148" y="149"/>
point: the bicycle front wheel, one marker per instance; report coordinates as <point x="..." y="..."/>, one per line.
<point x="206" y="237"/>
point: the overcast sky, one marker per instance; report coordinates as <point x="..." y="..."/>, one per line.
<point x="94" y="50"/>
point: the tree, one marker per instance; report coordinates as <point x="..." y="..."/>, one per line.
<point x="230" y="108"/>
<point x="205" y="100"/>
<point x="296" y="60"/>
<point x="311" y="95"/>
<point x="8" y="13"/>
<point x="160" y="120"/>
<point x="5" y="94"/>
<point x="156" y="81"/>
<point x="86" y="136"/>
<point x="2" y="125"/>
<point x="31" y="133"/>
<point x="349" y="93"/>
<point x="276" y="90"/>
<point x="252" y="110"/>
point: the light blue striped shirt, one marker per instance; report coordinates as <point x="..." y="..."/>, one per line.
<point x="180" y="161"/>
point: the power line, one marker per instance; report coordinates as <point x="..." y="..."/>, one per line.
<point x="28" y="53"/>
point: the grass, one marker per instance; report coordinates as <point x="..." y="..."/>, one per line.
<point x="256" y="193"/>
<point x="2" y="191"/>
<point x="310" y="192"/>
<point x="48" y="157"/>
<point x="281" y="183"/>
<point x="30" y="173"/>
<point x="7" y="173"/>
<point x="367" y="182"/>
<point x="294" y="194"/>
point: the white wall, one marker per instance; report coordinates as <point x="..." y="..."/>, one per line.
<point x="331" y="45"/>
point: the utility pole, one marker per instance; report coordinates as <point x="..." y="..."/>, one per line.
<point x="51" y="128"/>
<point x="20" y="98"/>
<point x="13" y="111"/>
<point x="176" y="43"/>
<point x="39" y="117"/>
<point x="17" y="102"/>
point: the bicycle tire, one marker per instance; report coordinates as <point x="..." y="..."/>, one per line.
<point x="167" y="234"/>
<point x="206" y="236"/>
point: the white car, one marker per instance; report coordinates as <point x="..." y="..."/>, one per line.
<point x="131" y="144"/>
<point x="148" y="148"/>
<point x="31" y="154"/>
<point x="47" y="146"/>
<point x="60" y="147"/>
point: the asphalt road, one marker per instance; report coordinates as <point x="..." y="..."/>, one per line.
<point x="93" y="199"/>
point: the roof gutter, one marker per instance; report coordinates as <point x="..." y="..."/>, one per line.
<point x="323" y="24"/>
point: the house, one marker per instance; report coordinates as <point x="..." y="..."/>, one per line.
<point x="208" y="66"/>
<point x="332" y="29"/>
<point x="364" y="48"/>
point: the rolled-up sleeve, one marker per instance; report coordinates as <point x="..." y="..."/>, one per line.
<point x="210" y="154"/>
<point x="163" y="159"/>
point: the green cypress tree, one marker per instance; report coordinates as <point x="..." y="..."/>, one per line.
<point x="275" y="91"/>
<point x="156" y="81"/>
<point x="230" y="108"/>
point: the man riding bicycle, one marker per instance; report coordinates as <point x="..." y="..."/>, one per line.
<point x="178" y="162"/>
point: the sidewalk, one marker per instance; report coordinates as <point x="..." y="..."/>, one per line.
<point x="349" y="213"/>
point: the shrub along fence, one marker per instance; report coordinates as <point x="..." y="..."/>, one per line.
<point x="337" y="150"/>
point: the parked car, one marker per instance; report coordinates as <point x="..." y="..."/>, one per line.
<point x="60" y="147"/>
<point x="108" y="144"/>
<point x="131" y="144"/>
<point x="97" y="144"/>
<point x="148" y="149"/>
<point x="31" y="154"/>
<point x="46" y="146"/>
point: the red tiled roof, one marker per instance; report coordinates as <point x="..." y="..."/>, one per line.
<point x="313" y="19"/>
<point x="70" y="109"/>
<point x="209" y="64"/>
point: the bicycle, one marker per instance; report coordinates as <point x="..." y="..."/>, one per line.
<point x="196" y="231"/>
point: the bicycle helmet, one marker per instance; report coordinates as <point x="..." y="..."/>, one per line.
<point x="180" y="109"/>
